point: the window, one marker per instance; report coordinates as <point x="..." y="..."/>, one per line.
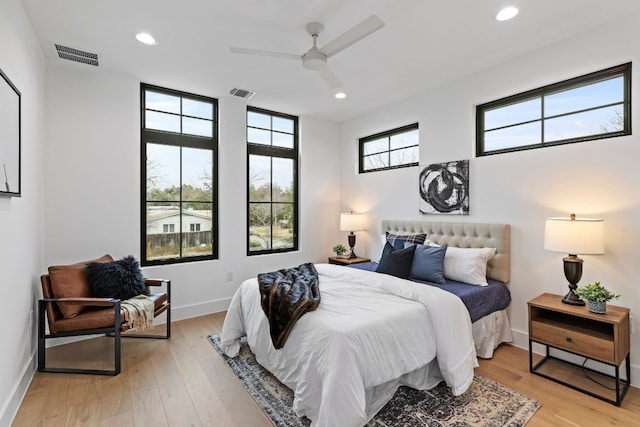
<point x="179" y="140"/>
<point x="397" y="148"/>
<point x="594" y="106"/>
<point x="272" y="180"/>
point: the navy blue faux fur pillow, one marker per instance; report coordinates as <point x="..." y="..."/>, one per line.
<point x="120" y="279"/>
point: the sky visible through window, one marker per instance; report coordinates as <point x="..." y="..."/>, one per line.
<point x="181" y="115"/>
<point x="567" y="103"/>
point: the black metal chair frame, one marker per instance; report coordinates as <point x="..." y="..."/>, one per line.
<point x="114" y="332"/>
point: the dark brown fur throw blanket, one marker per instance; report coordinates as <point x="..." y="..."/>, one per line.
<point x="286" y="295"/>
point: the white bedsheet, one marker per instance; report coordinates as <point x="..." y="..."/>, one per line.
<point x="370" y="334"/>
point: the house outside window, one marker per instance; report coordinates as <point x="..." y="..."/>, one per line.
<point x="272" y="181"/>
<point x="590" y="107"/>
<point x="392" y="149"/>
<point x="179" y="144"/>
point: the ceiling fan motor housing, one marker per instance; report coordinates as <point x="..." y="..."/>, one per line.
<point x="314" y="60"/>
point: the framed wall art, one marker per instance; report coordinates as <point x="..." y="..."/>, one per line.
<point x="444" y="188"/>
<point x="9" y="138"/>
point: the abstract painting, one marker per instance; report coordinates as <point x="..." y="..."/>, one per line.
<point x="9" y="138"/>
<point x="444" y="188"/>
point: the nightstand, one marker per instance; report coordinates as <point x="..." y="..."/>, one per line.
<point x="347" y="261"/>
<point x="574" y="329"/>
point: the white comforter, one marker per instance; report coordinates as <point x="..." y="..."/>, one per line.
<point x="371" y="333"/>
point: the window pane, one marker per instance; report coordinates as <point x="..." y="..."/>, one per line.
<point x="196" y="174"/>
<point x="516" y="136"/>
<point x="197" y="127"/>
<point x="259" y="136"/>
<point x="259" y="226"/>
<point x="163" y="172"/>
<point x="197" y="242"/>
<point x="162" y="102"/>
<point x="163" y="222"/>
<point x="203" y="110"/>
<point x="282" y="180"/>
<point x="405" y="139"/>
<point x="258" y="120"/>
<point x="513" y="114"/>
<point x="594" y="95"/>
<point x="376" y="146"/>
<point x="588" y="123"/>
<point x="376" y="161"/>
<point x="282" y="140"/>
<point x="282" y="125"/>
<point x="404" y="156"/>
<point x="282" y="225"/>
<point x="259" y="178"/>
<point x="162" y="121"/>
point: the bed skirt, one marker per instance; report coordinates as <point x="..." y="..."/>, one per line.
<point x="491" y="331"/>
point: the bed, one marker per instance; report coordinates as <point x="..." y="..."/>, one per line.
<point x="370" y="334"/>
<point x="487" y="305"/>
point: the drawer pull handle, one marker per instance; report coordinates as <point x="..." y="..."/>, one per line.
<point x="568" y="339"/>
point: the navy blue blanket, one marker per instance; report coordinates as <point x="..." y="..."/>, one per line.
<point x="479" y="300"/>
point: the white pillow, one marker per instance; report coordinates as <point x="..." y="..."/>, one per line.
<point x="467" y="265"/>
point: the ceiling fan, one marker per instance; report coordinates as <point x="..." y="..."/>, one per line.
<point x="316" y="58"/>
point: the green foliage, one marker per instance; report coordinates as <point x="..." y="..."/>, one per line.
<point x="339" y="249"/>
<point x="595" y="292"/>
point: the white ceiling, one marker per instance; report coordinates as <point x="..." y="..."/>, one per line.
<point x="423" y="44"/>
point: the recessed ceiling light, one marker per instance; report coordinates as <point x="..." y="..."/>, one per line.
<point x="340" y="95"/>
<point x="146" y="38"/>
<point x="507" y="13"/>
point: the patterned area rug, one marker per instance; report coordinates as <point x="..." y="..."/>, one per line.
<point x="486" y="403"/>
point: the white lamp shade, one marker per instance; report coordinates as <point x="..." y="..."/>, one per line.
<point x="351" y="222"/>
<point x="583" y="236"/>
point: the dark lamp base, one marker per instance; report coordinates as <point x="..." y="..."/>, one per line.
<point x="571" y="298"/>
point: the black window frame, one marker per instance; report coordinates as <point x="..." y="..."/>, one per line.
<point x="278" y="152"/>
<point x="387" y="134"/>
<point x="178" y="140"/>
<point x="623" y="70"/>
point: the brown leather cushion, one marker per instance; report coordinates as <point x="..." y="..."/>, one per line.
<point x="69" y="281"/>
<point x="101" y="318"/>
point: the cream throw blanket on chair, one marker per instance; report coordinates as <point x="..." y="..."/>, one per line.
<point x="138" y="312"/>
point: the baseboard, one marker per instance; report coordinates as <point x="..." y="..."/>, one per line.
<point x="521" y="340"/>
<point x="200" y="309"/>
<point x="12" y="404"/>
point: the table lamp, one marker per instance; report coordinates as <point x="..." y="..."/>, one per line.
<point x="574" y="236"/>
<point x="351" y="222"/>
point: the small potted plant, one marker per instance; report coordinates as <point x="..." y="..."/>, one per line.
<point x="596" y="296"/>
<point x="339" y="249"/>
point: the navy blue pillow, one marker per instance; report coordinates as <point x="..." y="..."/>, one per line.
<point x="396" y="263"/>
<point x="428" y="263"/>
<point x="120" y="279"/>
<point x="398" y="240"/>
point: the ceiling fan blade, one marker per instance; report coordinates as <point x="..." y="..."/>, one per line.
<point x="331" y="79"/>
<point x="264" y="53"/>
<point x="349" y="37"/>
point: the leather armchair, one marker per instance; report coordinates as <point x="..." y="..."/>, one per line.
<point x="79" y="315"/>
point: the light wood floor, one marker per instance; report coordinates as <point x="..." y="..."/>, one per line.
<point x="184" y="382"/>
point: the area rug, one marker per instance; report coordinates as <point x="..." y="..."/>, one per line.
<point x="486" y="403"/>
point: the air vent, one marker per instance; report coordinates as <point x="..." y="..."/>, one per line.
<point x="242" y="93"/>
<point x="77" y="55"/>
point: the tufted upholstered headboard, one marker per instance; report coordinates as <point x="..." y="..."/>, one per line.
<point x="464" y="235"/>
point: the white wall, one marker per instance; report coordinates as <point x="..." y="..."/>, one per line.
<point x="93" y="186"/>
<point x="21" y="219"/>
<point x="598" y="178"/>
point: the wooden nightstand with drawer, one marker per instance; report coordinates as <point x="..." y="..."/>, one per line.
<point x="573" y="329"/>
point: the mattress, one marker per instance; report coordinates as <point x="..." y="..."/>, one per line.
<point x="479" y="300"/>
